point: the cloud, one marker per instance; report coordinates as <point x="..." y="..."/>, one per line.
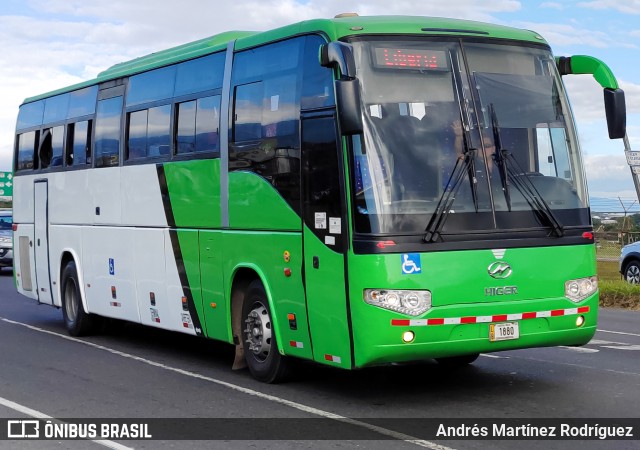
<point x="560" y="34"/>
<point x="552" y="5"/>
<point x="625" y="6"/>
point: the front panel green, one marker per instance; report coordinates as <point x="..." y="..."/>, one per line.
<point x="461" y="287"/>
<point x="215" y="304"/>
<point x="327" y="303"/>
<point x="268" y="255"/>
<point x="255" y="204"/>
<point x="194" y="188"/>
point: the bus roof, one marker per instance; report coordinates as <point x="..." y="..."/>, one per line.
<point x="334" y="29"/>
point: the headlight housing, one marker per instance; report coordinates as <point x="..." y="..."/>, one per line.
<point x="578" y="290"/>
<point x="412" y="303"/>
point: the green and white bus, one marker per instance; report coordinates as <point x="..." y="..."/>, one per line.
<point x="352" y="191"/>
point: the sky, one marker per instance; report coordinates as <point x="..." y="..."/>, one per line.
<point x="49" y="44"/>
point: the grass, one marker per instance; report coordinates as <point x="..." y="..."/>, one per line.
<point x="614" y="291"/>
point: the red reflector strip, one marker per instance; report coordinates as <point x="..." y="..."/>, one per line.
<point x="157" y="319"/>
<point x="335" y="359"/>
<point x="296" y="344"/>
<point x="116" y="304"/>
<point x="15" y="227"/>
<point x="488" y="319"/>
<point x="400" y="322"/>
<point x="185" y="324"/>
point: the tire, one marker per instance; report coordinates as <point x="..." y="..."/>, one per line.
<point x="454" y="362"/>
<point x="77" y="321"/>
<point x="632" y="272"/>
<point x="261" y="353"/>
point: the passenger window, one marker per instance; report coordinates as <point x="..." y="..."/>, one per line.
<point x="44" y="148"/>
<point x="26" y="151"/>
<point x="149" y="133"/>
<point x="151" y="86"/>
<point x="79" y="139"/>
<point x="198" y="124"/>
<point x="57" y="146"/>
<point x="108" y="132"/>
<point x="248" y="112"/>
<point x="317" y="83"/>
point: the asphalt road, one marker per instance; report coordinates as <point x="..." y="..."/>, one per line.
<point x="136" y="372"/>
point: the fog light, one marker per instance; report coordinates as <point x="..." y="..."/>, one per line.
<point x="408" y="336"/>
<point x="580" y="321"/>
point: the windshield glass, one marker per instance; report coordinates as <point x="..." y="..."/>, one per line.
<point x="428" y="103"/>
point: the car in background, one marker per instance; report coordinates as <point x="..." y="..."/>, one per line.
<point x="6" y="237"/>
<point x="630" y="263"/>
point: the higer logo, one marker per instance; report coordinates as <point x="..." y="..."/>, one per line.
<point x="499" y="270"/>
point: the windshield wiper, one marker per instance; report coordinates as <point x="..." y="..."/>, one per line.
<point x="500" y="156"/>
<point x="520" y="180"/>
<point x="464" y="163"/>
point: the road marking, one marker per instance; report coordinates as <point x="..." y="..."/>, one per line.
<point x="273" y="398"/>
<point x="38" y="415"/>
<point x="619" y="332"/>
<point x="580" y="349"/>
<point x="623" y="347"/>
<point x="493" y="356"/>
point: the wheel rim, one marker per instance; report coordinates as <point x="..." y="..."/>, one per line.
<point x="71" y="300"/>
<point x="257" y="332"/>
<point x="633" y="274"/>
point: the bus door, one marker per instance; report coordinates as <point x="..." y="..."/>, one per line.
<point x="325" y="240"/>
<point x="41" y="241"/>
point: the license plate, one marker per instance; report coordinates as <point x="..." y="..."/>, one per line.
<point x="504" y="331"/>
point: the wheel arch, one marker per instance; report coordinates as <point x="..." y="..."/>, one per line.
<point x="67" y="255"/>
<point x="242" y="276"/>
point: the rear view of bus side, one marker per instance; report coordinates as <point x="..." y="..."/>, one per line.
<point x="354" y="191"/>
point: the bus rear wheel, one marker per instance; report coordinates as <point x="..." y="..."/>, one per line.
<point x="77" y="321"/>
<point x="454" y="362"/>
<point x="261" y="353"/>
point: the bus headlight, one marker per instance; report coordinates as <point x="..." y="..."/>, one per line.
<point x="578" y="290"/>
<point x="412" y="303"/>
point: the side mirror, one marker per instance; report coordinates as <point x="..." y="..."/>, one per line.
<point x="347" y="87"/>
<point x="614" y="102"/>
<point x="348" y="100"/>
<point x="614" y="105"/>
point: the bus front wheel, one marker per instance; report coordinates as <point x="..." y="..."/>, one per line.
<point x="77" y="321"/>
<point x="258" y="337"/>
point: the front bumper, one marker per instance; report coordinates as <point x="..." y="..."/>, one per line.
<point x="6" y="257"/>
<point x="453" y="331"/>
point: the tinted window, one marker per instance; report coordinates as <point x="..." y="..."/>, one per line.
<point x="248" y="112"/>
<point x="186" y="135"/>
<point x="200" y="74"/>
<point x="149" y="132"/>
<point x="26" y="151"/>
<point x="57" y="146"/>
<point x="55" y="108"/>
<point x="82" y="102"/>
<point x="79" y="135"/>
<point x="108" y="132"/>
<point x="269" y="59"/>
<point x="151" y="86"/>
<point x="30" y="115"/>
<point x="159" y="131"/>
<point x="198" y="122"/>
<point x="266" y="116"/>
<point x="317" y="83"/>
<point x="207" y="124"/>
<point x="137" y="143"/>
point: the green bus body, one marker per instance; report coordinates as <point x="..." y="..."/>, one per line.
<point x="230" y="227"/>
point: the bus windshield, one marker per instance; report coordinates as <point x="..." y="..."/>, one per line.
<point x="497" y="113"/>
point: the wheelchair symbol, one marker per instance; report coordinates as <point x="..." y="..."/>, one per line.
<point x="411" y="263"/>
